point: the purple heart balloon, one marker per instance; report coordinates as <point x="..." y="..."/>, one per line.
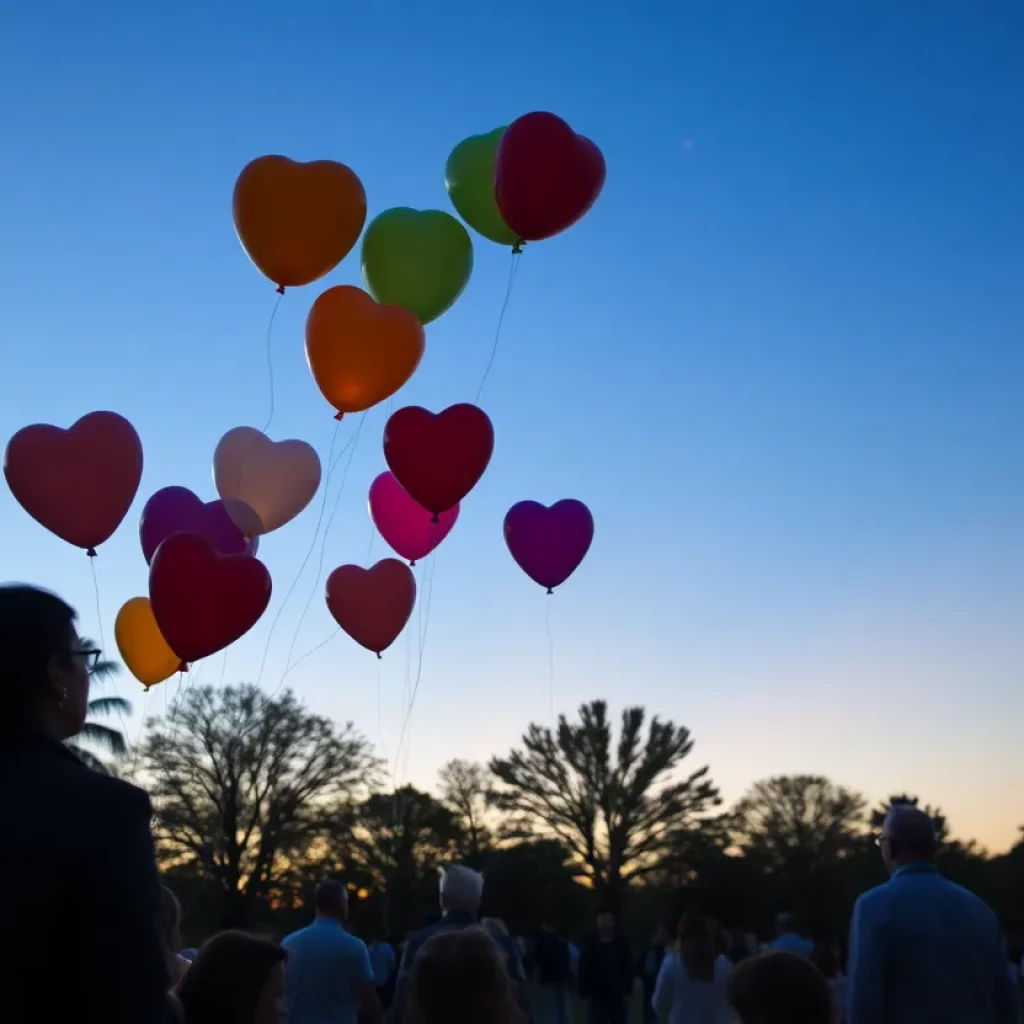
<point x="549" y="543"/>
<point x="177" y="510"/>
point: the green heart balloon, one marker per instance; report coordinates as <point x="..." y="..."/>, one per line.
<point x="417" y="259"/>
<point x="469" y="178"/>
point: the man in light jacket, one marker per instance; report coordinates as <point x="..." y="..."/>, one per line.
<point x="922" y="949"/>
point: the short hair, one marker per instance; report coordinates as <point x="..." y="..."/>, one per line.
<point x="226" y="979"/>
<point x="779" y="988"/>
<point x="330" y="897"/>
<point x="461" y="888"/>
<point x="459" y="977"/>
<point x="35" y="627"/>
<point x="911" y="832"/>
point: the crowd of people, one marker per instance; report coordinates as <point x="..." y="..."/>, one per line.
<point x="88" y="932"/>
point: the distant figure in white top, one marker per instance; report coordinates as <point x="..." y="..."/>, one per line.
<point x="693" y="983"/>
<point x="789" y="939"/>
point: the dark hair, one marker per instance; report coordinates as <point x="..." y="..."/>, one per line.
<point x="330" y="896"/>
<point x="827" y="958"/>
<point x="459" y="977"/>
<point x="697" y="947"/>
<point x="35" y="627"/>
<point x="224" y="983"/>
<point x="780" y="988"/>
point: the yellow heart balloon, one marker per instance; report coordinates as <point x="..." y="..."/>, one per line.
<point x="142" y="646"/>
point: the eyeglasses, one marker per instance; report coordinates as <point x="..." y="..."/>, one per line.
<point x="91" y="657"/>
<point x="880" y="839"/>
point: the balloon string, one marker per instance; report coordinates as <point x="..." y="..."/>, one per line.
<point x="551" y="661"/>
<point x="99" y="629"/>
<point x="270" y="360"/>
<point x="351" y="448"/>
<point x="305" y="561"/>
<point x="513" y="270"/>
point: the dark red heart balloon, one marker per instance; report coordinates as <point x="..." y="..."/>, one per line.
<point x="372" y="605"/>
<point x="202" y="600"/>
<point x="545" y="176"/>
<point x="438" y="458"/>
<point x="78" y="482"/>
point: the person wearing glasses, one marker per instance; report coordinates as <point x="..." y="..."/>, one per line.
<point x="924" y="950"/>
<point x="79" y="918"/>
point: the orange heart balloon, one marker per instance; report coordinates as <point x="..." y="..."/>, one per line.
<point x="297" y="221"/>
<point x="359" y="351"/>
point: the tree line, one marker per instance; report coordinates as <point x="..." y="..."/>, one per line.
<point x="256" y="798"/>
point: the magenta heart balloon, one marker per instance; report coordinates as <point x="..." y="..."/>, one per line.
<point x="403" y="522"/>
<point x="549" y="543"/>
<point x="177" y="510"/>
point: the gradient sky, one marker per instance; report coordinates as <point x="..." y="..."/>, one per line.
<point x="780" y="359"/>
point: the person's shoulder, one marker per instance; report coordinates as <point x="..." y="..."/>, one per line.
<point x="874" y="898"/>
<point x="293" y="939"/>
<point x="120" y="803"/>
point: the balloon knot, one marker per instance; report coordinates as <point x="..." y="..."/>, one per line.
<point x="435" y="518"/>
<point x="412" y="563"/>
<point x="518" y="247"/>
<point x="550" y="590"/>
<point x="280" y="289"/>
<point x="339" y="415"/>
<point x="182" y="666"/>
<point x="91" y="552"/>
<point x="379" y="656"/>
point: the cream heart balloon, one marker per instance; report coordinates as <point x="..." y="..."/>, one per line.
<point x="264" y="484"/>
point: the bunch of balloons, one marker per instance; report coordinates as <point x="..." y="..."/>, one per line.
<point x="297" y="221"/>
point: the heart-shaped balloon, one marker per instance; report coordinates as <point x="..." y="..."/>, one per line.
<point x="545" y="176"/>
<point x="372" y="605"/>
<point x="202" y="601"/>
<point x="142" y="646"/>
<point x="178" y="510"/>
<point x="549" y="543"/>
<point x="358" y="351"/>
<point x="297" y="221"/>
<point x="438" y="457"/>
<point x="403" y="522"/>
<point x="417" y="259"/>
<point x="264" y="484"/>
<point x="80" y="482"/>
<point x="469" y="178"/>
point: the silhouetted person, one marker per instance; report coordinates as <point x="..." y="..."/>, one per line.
<point x="237" y="978"/>
<point x="460" y="892"/>
<point x="922" y="949"/>
<point x="606" y="973"/>
<point x="330" y="979"/>
<point x="459" y="977"/>
<point x="76" y="851"/>
<point x="788" y="939"/>
<point x="782" y="988"/>
<point x="827" y="957"/>
<point x="692" y="986"/>
<point x="554" y="976"/>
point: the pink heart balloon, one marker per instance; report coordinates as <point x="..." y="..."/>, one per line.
<point x="549" y="543"/>
<point x="403" y="522"/>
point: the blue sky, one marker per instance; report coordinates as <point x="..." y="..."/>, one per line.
<point x="780" y="359"/>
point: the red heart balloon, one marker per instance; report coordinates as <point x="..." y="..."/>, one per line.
<point x="438" y="458"/>
<point x="372" y="605"/>
<point x="203" y="600"/>
<point x="545" y="176"/>
<point x="80" y="482"/>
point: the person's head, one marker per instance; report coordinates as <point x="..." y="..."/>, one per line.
<point x="460" y="889"/>
<point x="696" y="938"/>
<point x="779" y="988"/>
<point x="44" y="671"/>
<point x="605" y="923"/>
<point x="908" y="835"/>
<point x="459" y="977"/>
<point x="331" y="900"/>
<point x="170" y="920"/>
<point x="785" y="923"/>
<point x="237" y="978"/>
<point x="827" y="957"/>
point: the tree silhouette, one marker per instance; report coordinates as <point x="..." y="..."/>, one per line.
<point x="877" y="819"/>
<point x="244" y="786"/>
<point x="618" y="808"/>
<point x="463" y="786"/>
<point x="105" y="737"/>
